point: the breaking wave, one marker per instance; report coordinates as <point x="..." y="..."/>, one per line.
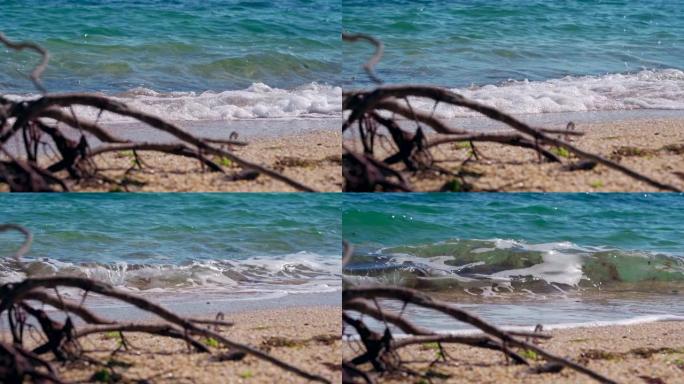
<point x="298" y="273"/>
<point x="647" y="89"/>
<point x="257" y="101"/>
<point x="486" y="267"/>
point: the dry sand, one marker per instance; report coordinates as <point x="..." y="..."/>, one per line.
<point x="312" y="158"/>
<point x="306" y="337"/>
<point x="643" y="353"/>
<point x="654" y="147"/>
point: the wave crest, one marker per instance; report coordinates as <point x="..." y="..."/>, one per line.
<point x="500" y="265"/>
<point x="647" y="89"/>
<point x="257" y="101"/>
<point x="299" y="272"/>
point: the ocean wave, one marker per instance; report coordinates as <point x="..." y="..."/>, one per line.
<point x="299" y="272"/>
<point x="257" y="101"/>
<point x="647" y="89"/>
<point x="490" y="267"/>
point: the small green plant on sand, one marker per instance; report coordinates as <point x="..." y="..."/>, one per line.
<point x="211" y="342"/>
<point x="112" y="335"/>
<point x="529" y="354"/>
<point x="224" y="161"/>
<point x="435" y="347"/>
<point x="560" y="152"/>
<point x="596" y="184"/>
<point x="463" y="145"/>
<point x="127" y="153"/>
<point x="247" y="374"/>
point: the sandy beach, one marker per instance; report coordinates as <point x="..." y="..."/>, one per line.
<point x="654" y="147"/>
<point x="310" y="157"/>
<point x="307" y="337"/>
<point x="640" y="353"/>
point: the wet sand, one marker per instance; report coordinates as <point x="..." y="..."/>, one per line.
<point x="307" y="337"/>
<point x="629" y="354"/>
<point x="651" y="146"/>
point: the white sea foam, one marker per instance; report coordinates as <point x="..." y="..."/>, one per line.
<point x="647" y="89"/>
<point x="258" y="101"/>
<point x="561" y="265"/>
<point x="301" y="272"/>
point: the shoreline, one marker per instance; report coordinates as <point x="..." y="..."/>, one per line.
<point x="626" y="353"/>
<point x="561" y="327"/>
<point x="246" y="129"/>
<point x="196" y="304"/>
<point x="559" y="120"/>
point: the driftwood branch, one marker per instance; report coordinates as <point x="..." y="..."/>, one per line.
<point x="173" y="149"/>
<point x="369" y="66"/>
<point x="26" y="45"/>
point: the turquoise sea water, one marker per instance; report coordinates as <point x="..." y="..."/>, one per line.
<point x="595" y="257"/>
<point x="232" y="243"/>
<point x="185" y="60"/>
<point x="529" y="56"/>
<point x="174" y="45"/>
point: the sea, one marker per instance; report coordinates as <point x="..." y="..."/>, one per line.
<point x="180" y="247"/>
<point x="526" y="57"/>
<point x="191" y="60"/>
<point x="521" y="259"/>
<point x="227" y="60"/>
